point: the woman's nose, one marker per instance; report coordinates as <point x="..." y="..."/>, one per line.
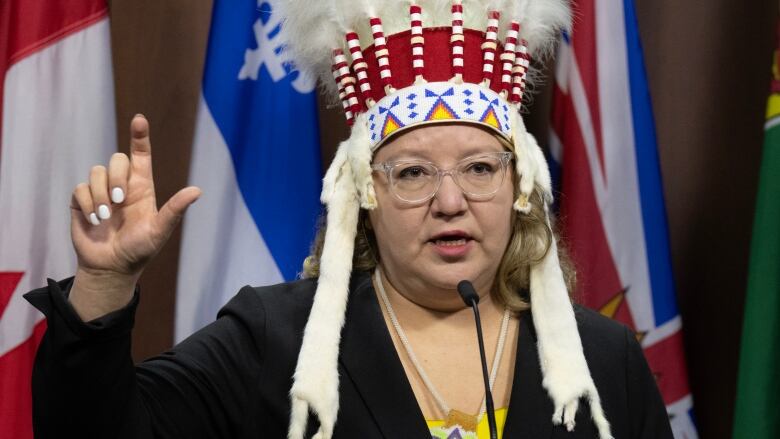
<point x="449" y="199"/>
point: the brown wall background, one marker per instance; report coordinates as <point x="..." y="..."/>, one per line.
<point x="709" y="68"/>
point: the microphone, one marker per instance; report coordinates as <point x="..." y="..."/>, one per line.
<point x="471" y="298"/>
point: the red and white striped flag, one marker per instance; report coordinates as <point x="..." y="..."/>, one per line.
<point x="57" y="110"/>
<point x="612" y="204"/>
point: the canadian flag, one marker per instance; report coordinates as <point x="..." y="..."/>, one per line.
<point x="57" y="113"/>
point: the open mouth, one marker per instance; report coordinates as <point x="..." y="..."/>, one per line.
<point x="451" y="239"/>
<point x="450" y="242"/>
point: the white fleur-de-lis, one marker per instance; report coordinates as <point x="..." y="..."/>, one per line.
<point x="269" y="53"/>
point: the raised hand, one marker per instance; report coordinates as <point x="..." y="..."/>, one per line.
<point x="116" y="227"/>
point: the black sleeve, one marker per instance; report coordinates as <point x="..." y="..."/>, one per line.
<point x="86" y="385"/>
<point x="649" y="419"/>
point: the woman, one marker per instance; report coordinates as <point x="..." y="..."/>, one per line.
<point x="450" y="193"/>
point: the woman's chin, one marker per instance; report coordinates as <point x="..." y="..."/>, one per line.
<point x="432" y="273"/>
<point x="447" y="277"/>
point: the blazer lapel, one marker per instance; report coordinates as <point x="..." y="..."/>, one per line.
<point x="530" y="408"/>
<point x="372" y="364"/>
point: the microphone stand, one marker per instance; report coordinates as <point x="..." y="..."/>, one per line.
<point x="471" y="298"/>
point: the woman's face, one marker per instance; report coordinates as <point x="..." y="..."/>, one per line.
<point x="427" y="248"/>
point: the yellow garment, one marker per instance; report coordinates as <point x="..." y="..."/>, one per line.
<point x="482" y="428"/>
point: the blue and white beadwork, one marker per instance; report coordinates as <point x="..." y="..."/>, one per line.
<point x="438" y="102"/>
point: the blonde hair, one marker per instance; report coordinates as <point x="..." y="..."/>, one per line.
<point x="529" y="242"/>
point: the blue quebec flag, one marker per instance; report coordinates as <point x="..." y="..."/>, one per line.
<point x="257" y="158"/>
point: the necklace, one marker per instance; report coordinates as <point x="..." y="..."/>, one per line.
<point x="454" y="417"/>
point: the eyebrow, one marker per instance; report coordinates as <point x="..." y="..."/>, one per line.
<point x="407" y="155"/>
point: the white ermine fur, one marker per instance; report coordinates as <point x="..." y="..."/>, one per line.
<point x="525" y="165"/>
<point x="565" y="371"/>
<point x="360" y="162"/>
<point x="316" y="380"/>
<point x="543" y="178"/>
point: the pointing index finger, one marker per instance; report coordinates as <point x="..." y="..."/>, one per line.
<point x="140" y="146"/>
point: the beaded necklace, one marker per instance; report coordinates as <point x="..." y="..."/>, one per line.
<point x="454" y="417"/>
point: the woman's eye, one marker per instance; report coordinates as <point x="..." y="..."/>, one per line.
<point x="411" y="172"/>
<point x="479" y="168"/>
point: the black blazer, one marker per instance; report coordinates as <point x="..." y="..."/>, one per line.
<point x="231" y="379"/>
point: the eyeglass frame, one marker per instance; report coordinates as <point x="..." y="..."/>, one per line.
<point x="505" y="157"/>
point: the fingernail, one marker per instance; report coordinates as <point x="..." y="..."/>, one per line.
<point x="139" y="115"/>
<point x="117" y="195"/>
<point x="103" y="212"/>
<point x="94" y="219"/>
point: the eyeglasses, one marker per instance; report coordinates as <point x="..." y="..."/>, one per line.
<point x="416" y="181"/>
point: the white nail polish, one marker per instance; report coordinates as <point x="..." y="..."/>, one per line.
<point x="117" y="195"/>
<point x="94" y="219"/>
<point x="103" y="212"/>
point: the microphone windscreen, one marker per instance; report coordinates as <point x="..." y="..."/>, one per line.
<point x="467" y="292"/>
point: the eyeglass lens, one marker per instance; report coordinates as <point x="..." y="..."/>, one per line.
<point x="477" y="176"/>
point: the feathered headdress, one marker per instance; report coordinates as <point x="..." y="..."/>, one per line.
<point x="394" y="65"/>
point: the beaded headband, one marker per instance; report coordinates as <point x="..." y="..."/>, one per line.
<point x="464" y="80"/>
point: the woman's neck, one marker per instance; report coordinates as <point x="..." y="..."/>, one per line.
<point x="419" y="310"/>
<point x="437" y="337"/>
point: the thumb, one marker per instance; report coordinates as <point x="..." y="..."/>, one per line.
<point x="172" y="211"/>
